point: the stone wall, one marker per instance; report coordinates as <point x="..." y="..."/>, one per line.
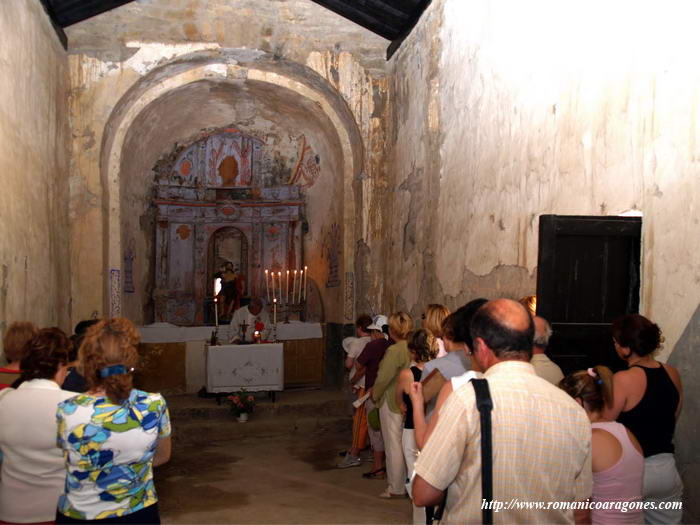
<point x="34" y="134"/>
<point x="508" y="110"/>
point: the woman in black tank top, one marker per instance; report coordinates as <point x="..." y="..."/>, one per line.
<point x="421" y="352"/>
<point x="647" y="400"/>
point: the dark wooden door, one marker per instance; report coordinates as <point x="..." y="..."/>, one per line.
<point x="587" y="275"/>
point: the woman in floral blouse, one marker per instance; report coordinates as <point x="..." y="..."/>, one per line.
<point x="113" y="435"/>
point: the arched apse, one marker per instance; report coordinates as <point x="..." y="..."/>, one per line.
<point x="205" y="90"/>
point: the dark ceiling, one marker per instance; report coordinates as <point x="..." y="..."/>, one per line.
<point x="390" y="19"/>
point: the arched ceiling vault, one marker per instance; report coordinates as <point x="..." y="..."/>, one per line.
<point x="221" y="80"/>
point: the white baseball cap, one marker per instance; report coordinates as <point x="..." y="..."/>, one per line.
<point x="378" y="322"/>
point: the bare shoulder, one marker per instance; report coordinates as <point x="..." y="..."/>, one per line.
<point x="602" y="435"/>
<point x="607" y="450"/>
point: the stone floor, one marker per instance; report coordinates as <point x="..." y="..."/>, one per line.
<point x="277" y="468"/>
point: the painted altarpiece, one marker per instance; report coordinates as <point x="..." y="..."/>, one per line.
<point x="213" y="190"/>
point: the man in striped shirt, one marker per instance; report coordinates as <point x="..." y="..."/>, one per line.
<point x="541" y="436"/>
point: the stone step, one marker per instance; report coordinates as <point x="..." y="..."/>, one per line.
<point x="315" y="403"/>
<point x="198" y="420"/>
<point x="195" y="432"/>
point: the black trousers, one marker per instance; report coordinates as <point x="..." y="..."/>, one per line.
<point x="147" y="516"/>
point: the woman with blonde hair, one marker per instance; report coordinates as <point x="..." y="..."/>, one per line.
<point x="618" y="464"/>
<point x="396" y="358"/>
<point x="434" y="316"/>
<point x="13" y="343"/>
<point x="113" y="435"/>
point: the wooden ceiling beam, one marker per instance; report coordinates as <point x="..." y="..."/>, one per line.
<point x="396" y="44"/>
<point x="57" y="28"/>
<point x="355" y="14"/>
<point x="69" y="12"/>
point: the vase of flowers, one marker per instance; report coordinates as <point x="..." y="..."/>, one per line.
<point x="241" y="404"/>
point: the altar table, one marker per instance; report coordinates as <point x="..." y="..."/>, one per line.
<point x="252" y="367"/>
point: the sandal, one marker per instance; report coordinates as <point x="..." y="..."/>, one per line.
<point x="380" y="473"/>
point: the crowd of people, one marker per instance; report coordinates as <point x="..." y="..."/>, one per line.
<point x="589" y="447"/>
<point x="78" y="442"/>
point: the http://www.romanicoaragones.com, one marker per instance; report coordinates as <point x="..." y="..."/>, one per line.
<point x="622" y="506"/>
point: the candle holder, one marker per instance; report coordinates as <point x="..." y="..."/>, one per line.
<point x="290" y="290"/>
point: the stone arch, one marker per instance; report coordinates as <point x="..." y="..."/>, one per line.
<point x="229" y="66"/>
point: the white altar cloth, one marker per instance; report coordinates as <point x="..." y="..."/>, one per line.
<point x="170" y="333"/>
<point x="254" y="367"/>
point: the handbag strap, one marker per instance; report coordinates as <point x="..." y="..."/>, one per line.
<point x="484" y="404"/>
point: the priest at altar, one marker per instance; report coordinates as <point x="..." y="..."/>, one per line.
<point x="246" y="318"/>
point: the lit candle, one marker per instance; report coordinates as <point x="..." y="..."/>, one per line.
<point x="279" y="279"/>
<point x="217" y="291"/>
<point x="274" y="312"/>
<point x="267" y="285"/>
<point x="306" y="280"/>
<point x="286" y="290"/>
<point x="294" y="288"/>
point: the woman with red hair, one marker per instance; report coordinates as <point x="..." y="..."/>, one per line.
<point x="14" y="343"/>
<point x="113" y="435"/>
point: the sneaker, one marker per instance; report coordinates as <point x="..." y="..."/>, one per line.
<point x="349" y="461"/>
<point x="390" y="495"/>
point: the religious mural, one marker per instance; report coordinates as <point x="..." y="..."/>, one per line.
<point x="308" y="167"/>
<point x="224" y="160"/>
<point x="331" y="251"/>
<point x="218" y="212"/>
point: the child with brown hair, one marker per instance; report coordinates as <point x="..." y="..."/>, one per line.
<point x="618" y="464"/>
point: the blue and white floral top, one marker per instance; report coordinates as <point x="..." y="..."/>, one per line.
<point x="109" y="453"/>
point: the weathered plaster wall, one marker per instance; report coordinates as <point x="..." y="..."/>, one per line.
<point x="114" y="52"/>
<point x="509" y="127"/>
<point x="368" y="97"/>
<point x="687" y="437"/>
<point x="34" y="134"/>
<point x="526" y="112"/>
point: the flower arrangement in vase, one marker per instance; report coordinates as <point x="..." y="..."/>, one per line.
<point x="241" y="404"/>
